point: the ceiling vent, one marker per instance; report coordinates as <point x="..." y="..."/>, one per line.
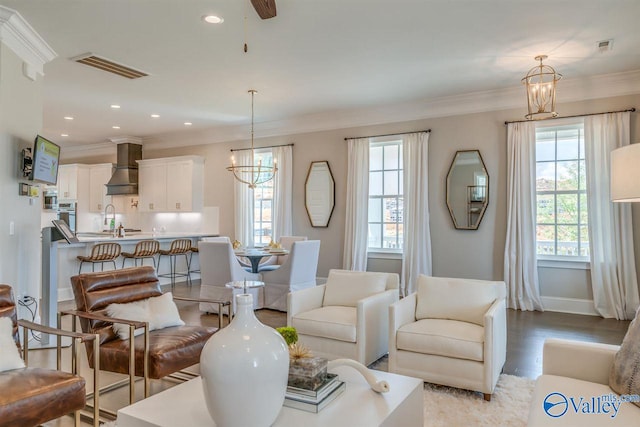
<point x="104" y="64"/>
<point x="605" y="45"/>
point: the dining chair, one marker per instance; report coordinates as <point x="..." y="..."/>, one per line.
<point x="275" y="262"/>
<point x="298" y="272"/>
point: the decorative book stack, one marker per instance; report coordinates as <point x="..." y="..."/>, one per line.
<point x="310" y="387"/>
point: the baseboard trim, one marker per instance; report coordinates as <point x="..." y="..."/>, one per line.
<point x="569" y="305"/>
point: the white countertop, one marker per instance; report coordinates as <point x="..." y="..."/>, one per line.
<point x="137" y="236"/>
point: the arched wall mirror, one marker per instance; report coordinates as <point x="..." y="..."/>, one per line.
<point x="467" y="189"/>
<point x="319" y="194"/>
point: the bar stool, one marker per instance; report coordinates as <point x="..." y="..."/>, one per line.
<point x="144" y="249"/>
<point x="101" y="253"/>
<point x="178" y="247"/>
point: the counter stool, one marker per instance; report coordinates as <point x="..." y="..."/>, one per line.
<point x="144" y="249"/>
<point x="178" y="247"/>
<point x="101" y="253"/>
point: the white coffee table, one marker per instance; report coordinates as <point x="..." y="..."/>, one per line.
<point x="183" y="405"/>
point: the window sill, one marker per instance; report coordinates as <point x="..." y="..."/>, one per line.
<point x="384" y="255"/>
<point x="570" y="264"/>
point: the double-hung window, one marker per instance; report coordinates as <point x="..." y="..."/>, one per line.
<point x="561" y="196"/>
<point x="263" y="203"/>
<point x="385" y="197"/>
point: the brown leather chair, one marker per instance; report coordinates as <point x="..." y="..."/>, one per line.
<point x="32" y="396"/>
<point x="158" y="353"/>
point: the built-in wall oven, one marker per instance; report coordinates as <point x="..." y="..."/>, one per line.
<point x="67" y="213"/>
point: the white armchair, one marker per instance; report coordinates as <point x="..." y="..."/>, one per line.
<point x="219" y="266"/>
<point x="298" y="272"/>
<point x="347" y="317"/>
<point x="451" y="332"/>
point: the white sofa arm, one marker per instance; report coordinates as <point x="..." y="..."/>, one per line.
<point x="371" y="325"/>
<point x="495" y="342"/>
<point x="580" y="360"/>
<point x="400" y="313"/>
<point x="304" y="300"/>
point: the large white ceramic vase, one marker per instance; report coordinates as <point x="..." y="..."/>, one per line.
<point x="244" y="370"/>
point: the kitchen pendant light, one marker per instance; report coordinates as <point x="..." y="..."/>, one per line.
<point x="252" y="174"/>
<point x="540" y="83"/>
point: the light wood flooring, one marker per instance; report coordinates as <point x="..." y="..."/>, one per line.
<point x="526" y="333"/>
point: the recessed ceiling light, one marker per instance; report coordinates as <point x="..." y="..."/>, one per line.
<point x="68" y="118"/>
<point x="155" y="116"/>
<point x="115" y="127"/>
<point x="188" y="123"/>
<point x="212" y="19"/>
<point x="64" y="134"/>
<point x="115" y="106"/>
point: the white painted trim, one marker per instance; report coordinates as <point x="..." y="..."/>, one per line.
<point x="564" y="264"/>
<point x="65" y="294"/>
<point x="569" y="305"/>
<point x="601" y="86"/>
<point x="384" y="255"/>
<point x="20" y="37"/>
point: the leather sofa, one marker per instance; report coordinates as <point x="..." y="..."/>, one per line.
<point x="572" y="370"/>
<point x="31" y="396"/>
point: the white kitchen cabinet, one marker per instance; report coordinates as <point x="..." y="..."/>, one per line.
<point x="99" y="175"/>
<point x="173" y="184"/>
<point x="72" y="182"/>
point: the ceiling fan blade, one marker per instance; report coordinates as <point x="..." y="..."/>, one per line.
<point x="266" y="8"/>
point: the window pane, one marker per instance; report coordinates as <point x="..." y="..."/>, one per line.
<point x="375" y="236"/>
<point x="584" y="241"/>
<point x="546" y="208"/>
<point x="390" y="183"/>
<point x="568" y="144"/>
<point x="568" y="240"/>
<point x="581" y="144"/>
<point x="375" y="183"/>
<point x="567" y="208"/>
<point x="375" y="158"/>
<point x="400" y="158"/>
<point x="584" y="210"/>
<point x="567" y="175"/>
<point x="266" y="211"/>
<point x="390" y="236"/>
<point x="545" y="176"/>
<point x="375" y="210"/>
<point x="545" y="149"/>
<point x="582" y="175"/>
<point x="390" y="209"/>
<point x="400" y="236"/>
<point x="400" y="209"/>
<point x="391" y="157"/>
<point x="545" y="236"/>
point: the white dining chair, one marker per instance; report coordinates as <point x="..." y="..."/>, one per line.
<point x="275" y="262"/>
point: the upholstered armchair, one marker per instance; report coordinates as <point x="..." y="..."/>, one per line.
<point x="450" y="332"/>
<point x="219" y="266"/>
<point x="298" y="272"/>
<point x="347" y="317"/>
<point x="161" y="345"/>
<point x="32" y="396"/>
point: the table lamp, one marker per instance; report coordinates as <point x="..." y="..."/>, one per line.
<point x="625" y="174"/>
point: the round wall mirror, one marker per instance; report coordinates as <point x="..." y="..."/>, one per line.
<point x="467" y="189"/>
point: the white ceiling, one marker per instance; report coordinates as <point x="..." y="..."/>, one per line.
<point x="315" y="57"/>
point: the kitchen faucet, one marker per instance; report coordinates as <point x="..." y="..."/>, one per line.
<point x="112" y="224"/>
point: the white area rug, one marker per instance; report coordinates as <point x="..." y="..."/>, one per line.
<point x="509" y="405"/>
<point x="451" y="407"/>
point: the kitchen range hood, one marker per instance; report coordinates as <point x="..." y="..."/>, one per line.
<point x="125" y="178"/>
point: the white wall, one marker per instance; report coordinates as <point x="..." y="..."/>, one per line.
<point x="20" y="121"/>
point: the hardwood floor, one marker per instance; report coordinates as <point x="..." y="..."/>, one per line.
<point x="526" y="332"/>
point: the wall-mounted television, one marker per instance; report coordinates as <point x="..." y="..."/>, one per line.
<point x="46" y="156"/>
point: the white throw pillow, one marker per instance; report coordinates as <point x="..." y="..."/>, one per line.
<point x="465" y="300"/>
<point x="160" y="312"/>
<point x="9" y="354"/>
<point x="346" y="288"/>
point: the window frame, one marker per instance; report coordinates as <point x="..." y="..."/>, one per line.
<point x="379" y="252"/>
<point x="562" y="261"/>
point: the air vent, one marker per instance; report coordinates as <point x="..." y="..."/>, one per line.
<point x="106" y="65"/>
<point x="605" y="45"/>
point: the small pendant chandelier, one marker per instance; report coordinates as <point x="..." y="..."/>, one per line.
<point x="540" y="83"/>
<point x="252" y="174"/>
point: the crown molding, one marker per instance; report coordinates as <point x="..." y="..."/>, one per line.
<point x="20" y="37"/>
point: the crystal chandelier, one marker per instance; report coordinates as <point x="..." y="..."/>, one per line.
<point x="252" y="174"/>
<point x="540" y="83"/>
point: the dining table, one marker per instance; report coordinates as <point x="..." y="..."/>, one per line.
<point x="255" y="255"/>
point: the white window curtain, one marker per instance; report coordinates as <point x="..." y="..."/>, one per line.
<point x="357" y="219"/>
<point x="520" y="262"/>
<point x="416" y="258"/>
<point x="282" y="192"/>
<point x="243" y="204"/>
<point x="613" y="272"/>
